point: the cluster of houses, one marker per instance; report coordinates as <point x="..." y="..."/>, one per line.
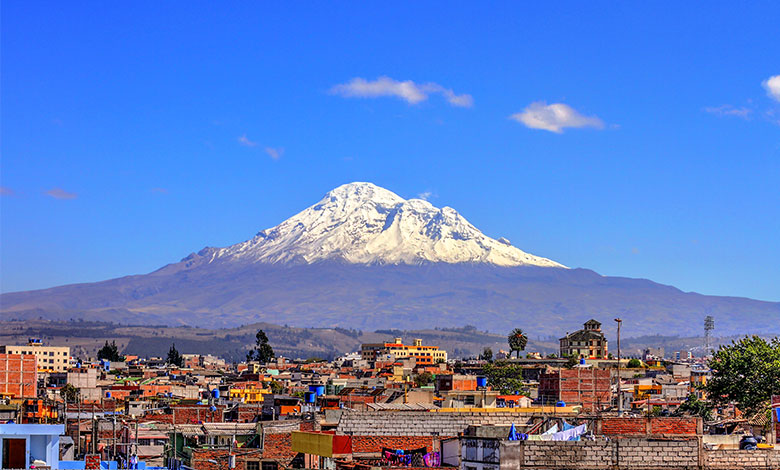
<point x="390" y="404"/>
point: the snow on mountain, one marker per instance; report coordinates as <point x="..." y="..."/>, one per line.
<point x="363" y="223"/>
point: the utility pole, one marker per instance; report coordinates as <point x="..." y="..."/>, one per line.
<point x="78" y="424"/>
<point x="113" y="436"/>
<point x="620" y="398"/>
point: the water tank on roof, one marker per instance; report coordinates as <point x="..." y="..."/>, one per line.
<point x="213" y="408"/>
<point x="108" y="394"/>
<point x="481" y="381"/>
<point x="582" y="361"/>
<point x="215" y="393"/>
<point x="310" y="397"/>
<point x="560" y="404"/>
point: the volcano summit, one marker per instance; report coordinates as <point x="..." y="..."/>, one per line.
<point x="364" y="224"/>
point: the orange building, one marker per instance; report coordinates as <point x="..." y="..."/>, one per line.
<point x="19" y="375"/>
<point x="36" y="411"/>
<point x="425" y="355"/>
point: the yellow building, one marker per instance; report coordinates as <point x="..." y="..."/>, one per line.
<point x="644" y="392"/>
<point x="251" y="394"/>
<point x="50" y="358"/>
<point x="425" y="355"/>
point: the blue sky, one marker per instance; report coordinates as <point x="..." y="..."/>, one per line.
<point x="638" y="140"/>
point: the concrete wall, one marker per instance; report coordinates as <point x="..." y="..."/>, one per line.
<point x="631" y="454"/>
<point x="741" y="459"/>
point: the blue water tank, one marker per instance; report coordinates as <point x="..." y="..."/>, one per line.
<point x="317" y="389"/>
<point x="215" y="393"/>
<point x="481" y="381"/>
<point x="213" y="408"/>
<point x="582" y="361"/>
<point x="310" y="397"/>
<point x="108" y="394"/>
<point x="560" y="404"/>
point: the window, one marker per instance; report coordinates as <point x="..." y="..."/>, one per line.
<point x="471" y="452"/>
<point x="252" y="465"/>
<point x="270" y="466"/>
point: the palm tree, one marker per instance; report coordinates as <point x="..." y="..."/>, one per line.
<point x="517" y="341"/>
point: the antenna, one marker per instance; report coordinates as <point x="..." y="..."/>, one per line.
<point x="709" y="325"/>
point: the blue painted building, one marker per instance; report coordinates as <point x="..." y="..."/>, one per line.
<point x="23" y="445"/>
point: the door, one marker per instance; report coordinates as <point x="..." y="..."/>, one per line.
<point x="14" y="451"/>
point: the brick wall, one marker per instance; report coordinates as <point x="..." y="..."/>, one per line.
<point x="590" y="388"/>
<point x="278" y="446"/>
<point x="200" y="458"/>
<point x="658" y="426"/>
<point x="19" y="375"/>
<point x="631" y="454"/>
<point x="374" y="444"/>
<point x="627" y="454"/>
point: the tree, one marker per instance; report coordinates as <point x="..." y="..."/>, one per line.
<point x="110" y="352"/>
<point x="504" y="377"/>
<point x="69" y="393"/>
<point x="487" y="354"/>
<point x="262" y="352"/>
<point x="421" y="380"/>
<point x="634" y="363"/>
<point x="517" y="341"/>
<point x="746" y="373"/>
<point x="174" y="358"/>
<point x="276" y="388"/>
<point x="571" y="361"/>
<point x="693" y="406"/>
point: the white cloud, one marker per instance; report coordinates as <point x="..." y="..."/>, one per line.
<point x="554" y="117"/>
<point x="59" y="193"/>
<point x="408" y="91"/>
<point x="244" y="140"/>
<point x="275" y="153"/>
<point x="425" y="195"/>
<point x="772" y="86"/>
<point x="729" y="110"/>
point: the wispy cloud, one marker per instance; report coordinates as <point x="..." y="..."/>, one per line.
<point x="554" y="117"/>
<point x="275" y="153"/>
<point x="425" y="195"/>
<point x="159" y="190"/>
<point x="244" y="140"/>
<point x="6" y="191"/>
<point x="59" y="193"/>
<point x="408" y="91"/>
<point x="772" y="87"/>
<point x="728" y="110"/>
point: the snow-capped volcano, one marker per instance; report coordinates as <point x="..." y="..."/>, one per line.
<point x="363" y="223"/>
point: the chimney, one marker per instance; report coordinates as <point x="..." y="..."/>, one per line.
<point x="398" y="341"/>
<point x="418" y="342"/>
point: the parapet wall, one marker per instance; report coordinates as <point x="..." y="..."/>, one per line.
<point x="631" y="454"/>
<point x="628" y="453"/>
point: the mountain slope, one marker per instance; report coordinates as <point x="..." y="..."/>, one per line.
<point x="365" y="258"/>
